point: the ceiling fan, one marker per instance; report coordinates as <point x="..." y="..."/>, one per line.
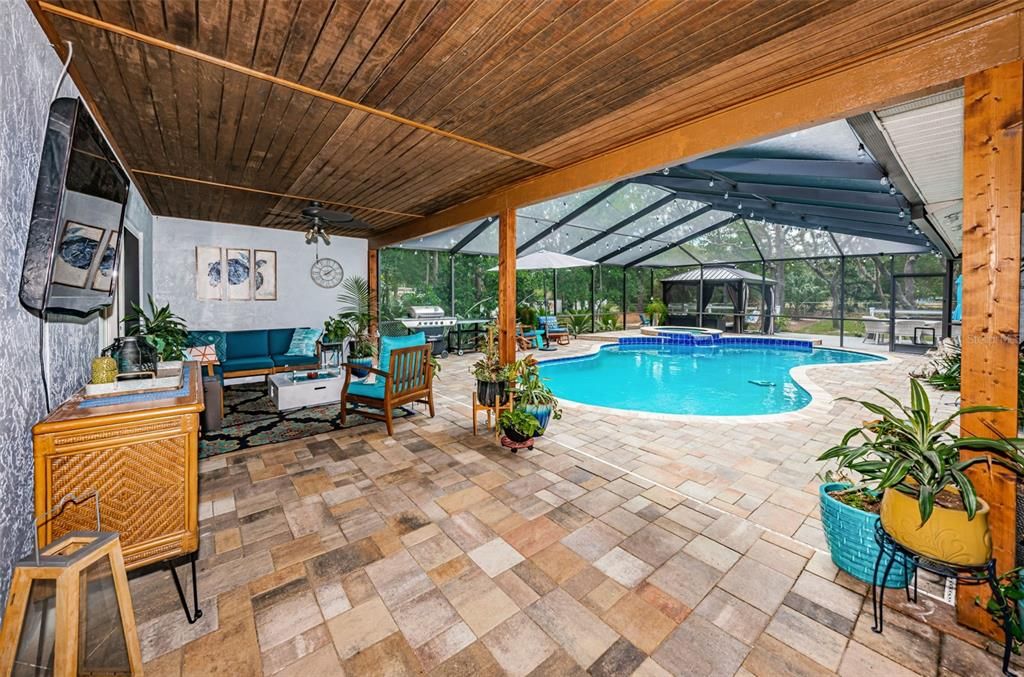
<point x="317" y="217"/>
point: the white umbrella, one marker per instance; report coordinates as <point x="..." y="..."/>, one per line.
<point x="545" y="260"/>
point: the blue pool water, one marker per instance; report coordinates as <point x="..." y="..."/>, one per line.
<point x="675" y="379"/>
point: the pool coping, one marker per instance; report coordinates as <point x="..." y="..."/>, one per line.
<point x="821" y="399"/>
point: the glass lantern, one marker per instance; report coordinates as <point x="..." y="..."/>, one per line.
<point x="69" y="612"/>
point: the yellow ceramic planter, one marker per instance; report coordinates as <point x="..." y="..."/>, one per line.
<point x="947" y="536"/>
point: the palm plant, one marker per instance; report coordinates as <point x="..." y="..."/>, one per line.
<point x="916" y="455"/>
<point x="355" y="311"/>
<point x="162" y="328"/>
<point x="577" y="323"/>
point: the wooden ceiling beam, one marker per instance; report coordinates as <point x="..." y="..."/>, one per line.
<point x="851" y="90"/>
<point x="267" y="77"/>
<point x="292" y="196"/>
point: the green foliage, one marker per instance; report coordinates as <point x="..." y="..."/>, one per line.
<point x="907" y="451"/>
<point x="519" y="421"/>
<point x="946" y="368"/>
<point x="355" y="312"/>
<point x="576" y="323"/>
<point x="488" y="366"/>
<point x="527" y="315"/>
<point x="657" y="311"/>
<point x="162" y="328"/>
<point x="1012" y="590"/>
<point x="336" y="330"/>
<point x="530" y="388"/>
<point x="830" y="327"/>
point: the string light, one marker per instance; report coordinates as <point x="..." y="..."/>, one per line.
<point x="711" y="183"/>
<point x="726" y="195"/>
<point x="665" y="171"/>
<point x="892" y="189"/>
<point x="903" y="214"/>
<point x="884" y="180"/>
<point x="860" y="151"/>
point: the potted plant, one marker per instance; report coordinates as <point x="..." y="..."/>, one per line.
<point x="336" y="330"/>
<point x="929" y="505"/>
<point x="163" y="330"/>
<point x="517" y="425"/>
<point x="355" y="314"/>
<point x="492" y="376"/>
<point x="532" y="396"/>
<point x="1011" y="589"/>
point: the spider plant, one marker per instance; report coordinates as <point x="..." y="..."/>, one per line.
<point x="908" y="451"/>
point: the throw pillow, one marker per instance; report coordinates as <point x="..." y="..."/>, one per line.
<point x="303" y="342"/>
<point x="203" y="354"/>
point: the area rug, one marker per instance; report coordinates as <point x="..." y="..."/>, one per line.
<point x="252" y="420"/>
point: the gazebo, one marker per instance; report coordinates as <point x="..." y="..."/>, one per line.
<point x="691" y="294"/>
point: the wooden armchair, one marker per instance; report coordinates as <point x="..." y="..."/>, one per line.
<point x="409" y="378"/>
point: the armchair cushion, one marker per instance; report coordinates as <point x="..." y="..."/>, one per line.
<point x="251" y="343"/>
<point x="247" y="364"/>
<point x="389" y="343"/>
<point x="375" y="390"/>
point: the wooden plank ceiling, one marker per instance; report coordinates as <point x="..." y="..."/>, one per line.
<point x="443" y="100"/>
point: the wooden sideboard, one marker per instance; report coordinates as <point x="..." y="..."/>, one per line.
<point x="142" y="458"/>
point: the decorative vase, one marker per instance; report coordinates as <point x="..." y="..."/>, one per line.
<point x="541" y="412"/>
<point x="361" y="362"/>
<point x="851" y="539"/>
<point x="104" y="370"/>
<point x="491" y="392"/>
<point x="515" y="435"/>
<point x="947" y="536"/>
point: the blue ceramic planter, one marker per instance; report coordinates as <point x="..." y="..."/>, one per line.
<point x="361" y="361"/>
<point x="540" y="412"/>
<point x="851" y="539"/>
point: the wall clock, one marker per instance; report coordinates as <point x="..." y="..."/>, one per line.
<point x="326" y="273"/>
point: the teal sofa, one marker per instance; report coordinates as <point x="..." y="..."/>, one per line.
<point x="252" y="352"/>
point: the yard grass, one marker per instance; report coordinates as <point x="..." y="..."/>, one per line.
<point x="852" y="327"/>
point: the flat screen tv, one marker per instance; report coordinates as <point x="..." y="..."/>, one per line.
<point x="72" y="251"/>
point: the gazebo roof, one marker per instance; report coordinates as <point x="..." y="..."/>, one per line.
<point x="717" y="274"/>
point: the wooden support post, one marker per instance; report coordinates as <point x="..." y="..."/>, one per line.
<point x="507" y="285"/>
<point x="372" y="279"/>
<point x="993" y="118"/>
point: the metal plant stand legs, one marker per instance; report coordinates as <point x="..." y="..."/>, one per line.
<point x="196" y="613"/>
<point x="978" y="574"/>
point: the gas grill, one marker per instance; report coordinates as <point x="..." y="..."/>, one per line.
<point x="432" y="321"/>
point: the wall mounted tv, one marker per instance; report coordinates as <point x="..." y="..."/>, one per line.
<point x="81" y="192"/>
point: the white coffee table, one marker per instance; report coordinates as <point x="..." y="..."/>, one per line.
<point x="293" y="389"/>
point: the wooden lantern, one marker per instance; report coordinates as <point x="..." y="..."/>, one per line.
<point x="69" y="612"/>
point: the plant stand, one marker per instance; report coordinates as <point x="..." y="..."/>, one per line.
<point x="890" y="550"/>
<point x="516" y="446"/>
<point x="494" y="411"/>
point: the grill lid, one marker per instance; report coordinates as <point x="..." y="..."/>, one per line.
<point x="426" y="312"/>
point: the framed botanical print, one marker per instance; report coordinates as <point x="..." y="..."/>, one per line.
<point x="209" y="265"/>
<point x="239" y="274"/>
<point x="264" y="278"/>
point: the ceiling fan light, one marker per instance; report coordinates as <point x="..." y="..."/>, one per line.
<point x="326" y="237"/>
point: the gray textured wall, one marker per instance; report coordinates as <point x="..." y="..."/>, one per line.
<point x="300" y="303"/>
<point x="28" y="72"/>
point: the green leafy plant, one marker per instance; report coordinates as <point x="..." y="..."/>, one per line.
<point x="576" y="323"/>
<point x="164" y="330"/>
<point x="609" y="319"/>
<point x="907" y="451"/>
<point x="1008" y="616"/>
<point x="488" y="366"/>
<point x="518" y="421"/>
<point x="527" y="315"/>
<point x="355" y="312"/>
<point x="657" y="311"/>
<point x="945" y="368"/>
<point x="336" y="330"/>
<point x="530" y="388"/>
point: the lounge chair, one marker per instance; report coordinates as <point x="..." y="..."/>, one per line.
<point x="408" y="378"/>
<point x="555" y="332"/>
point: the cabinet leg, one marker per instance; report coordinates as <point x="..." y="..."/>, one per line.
<point x="196" y="613"/>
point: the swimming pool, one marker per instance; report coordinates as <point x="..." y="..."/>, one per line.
<point x="721" y="380"/>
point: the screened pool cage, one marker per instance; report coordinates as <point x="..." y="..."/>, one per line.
<point x="750" y="244"/>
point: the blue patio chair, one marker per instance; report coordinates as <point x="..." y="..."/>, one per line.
<point x="555" y="332"/>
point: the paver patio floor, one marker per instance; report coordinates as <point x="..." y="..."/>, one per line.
<point x="620" y="545"/>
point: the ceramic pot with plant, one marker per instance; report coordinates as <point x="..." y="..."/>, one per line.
<point x="491" y="375"/>
<point x="929" y="504"/>
<point x="162" y="329"/>
<point x="532" y="396"/>
<point x="518" y="425"/>
<point x="355" y="315"/>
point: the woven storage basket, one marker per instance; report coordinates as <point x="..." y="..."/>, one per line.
<point x="851" y="538"/>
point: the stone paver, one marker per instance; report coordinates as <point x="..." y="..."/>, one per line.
<point x="620" y="544"/>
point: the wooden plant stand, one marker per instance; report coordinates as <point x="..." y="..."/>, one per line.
<point x="494" y="411"/>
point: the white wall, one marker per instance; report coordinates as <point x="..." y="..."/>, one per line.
<point x="300" y="302"/>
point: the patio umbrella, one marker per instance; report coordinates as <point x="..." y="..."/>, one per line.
<point x="544" y="260"/>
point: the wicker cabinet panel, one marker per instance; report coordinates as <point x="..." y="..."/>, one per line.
<point x="145" y="469"/>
